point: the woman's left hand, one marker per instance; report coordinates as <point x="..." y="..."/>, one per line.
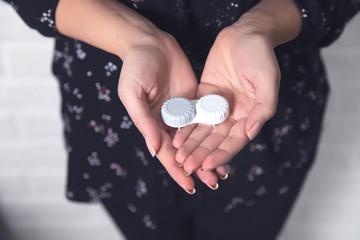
<point x="241" y="67"/>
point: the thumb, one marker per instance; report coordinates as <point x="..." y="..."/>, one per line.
<point x="257" y="118"/>
<point x="139" y="111"/>
<point x="266" y="97"/>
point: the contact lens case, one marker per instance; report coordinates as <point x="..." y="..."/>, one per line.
<point x="210" y="109"/>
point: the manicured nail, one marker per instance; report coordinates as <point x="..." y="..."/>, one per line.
<point x="191" y="192"/>
<point x="186" y="173"/>
<point x="213" y="187"/>
<point x="152" y="151"/>
<point x="204" y="170"/>
<point x="224" y="177"/>
<point x="254" y="130"/>
<point x="150" y="147"/>
<point x="179" y="164"/>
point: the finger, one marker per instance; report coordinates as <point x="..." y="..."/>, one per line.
<point x="235" y="141"/>
<point x="207" y="146"/>
<point x="171" y="132"/>
<point x="182" y="134"/>
<point x="193" y="141"/>
<point x="166" y="156"/>
<point x="195" y="159"/>
<point x="266" y="95"/>
<point x="208" y="178"/>
<point x="222" y="172"/>
<point x="257" y="118"/>
<point x="144" y="121"/>
<point x="138" y="109"/>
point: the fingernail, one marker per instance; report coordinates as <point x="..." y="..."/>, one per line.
<point x="204" y="170"/>
<point x="186" y="173"/>
<point x="191" y="192"/>
<point x="179" y="164"/>
<point x="254" y="130"/>
<point x="150" y="147"/>
<point x="216" y="186"/>
<point x="152" y="151"/>
<point x="224" y="177"/>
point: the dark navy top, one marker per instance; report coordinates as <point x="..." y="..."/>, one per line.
<point x="107" y="156"/>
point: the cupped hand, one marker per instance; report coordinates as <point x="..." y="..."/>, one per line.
<point x="241" y="67"/>
<point x="154" y="70"/>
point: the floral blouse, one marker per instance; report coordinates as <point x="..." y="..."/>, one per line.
<point x="107" y="156"/>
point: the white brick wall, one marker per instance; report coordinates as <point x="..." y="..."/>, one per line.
<point x="32" y="159"/>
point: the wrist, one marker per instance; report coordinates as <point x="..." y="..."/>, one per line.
<point x="105" y="24"/>
<point x="247" y="33"/>
<point x="256" y="23"/>
<point x="278" y="20"/>
<point x="140" y="33"/>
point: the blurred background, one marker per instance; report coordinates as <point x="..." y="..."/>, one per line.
<point x="33" y="160"/>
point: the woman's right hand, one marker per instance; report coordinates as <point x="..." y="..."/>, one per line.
<point x="154" y="70"/>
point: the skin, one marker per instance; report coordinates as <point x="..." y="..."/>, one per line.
<point x="241" y="66"/>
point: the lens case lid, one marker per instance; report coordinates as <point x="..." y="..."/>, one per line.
<point x="210" y="109"/>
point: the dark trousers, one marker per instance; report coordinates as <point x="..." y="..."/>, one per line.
<point x="259" y="222"/>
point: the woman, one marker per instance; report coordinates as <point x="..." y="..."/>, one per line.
<point x="229" y="47"/>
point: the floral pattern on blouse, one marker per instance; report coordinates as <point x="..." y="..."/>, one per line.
<point x="107" y="156"/>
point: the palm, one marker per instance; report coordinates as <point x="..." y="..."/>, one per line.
<point x="242" y="69"/>
<point x="149" y="77"/>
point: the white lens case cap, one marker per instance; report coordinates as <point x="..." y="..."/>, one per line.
<point x="210" y="109"/>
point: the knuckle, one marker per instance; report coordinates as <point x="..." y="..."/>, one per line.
<point x="121" y="93"/>
<point x="271" y="112"/>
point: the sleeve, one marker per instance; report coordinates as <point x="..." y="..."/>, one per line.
<point x="324" y="20"/>
<point x="38" y="14"/>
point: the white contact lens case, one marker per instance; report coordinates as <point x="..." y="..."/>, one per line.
<point x="210" y="109"/>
